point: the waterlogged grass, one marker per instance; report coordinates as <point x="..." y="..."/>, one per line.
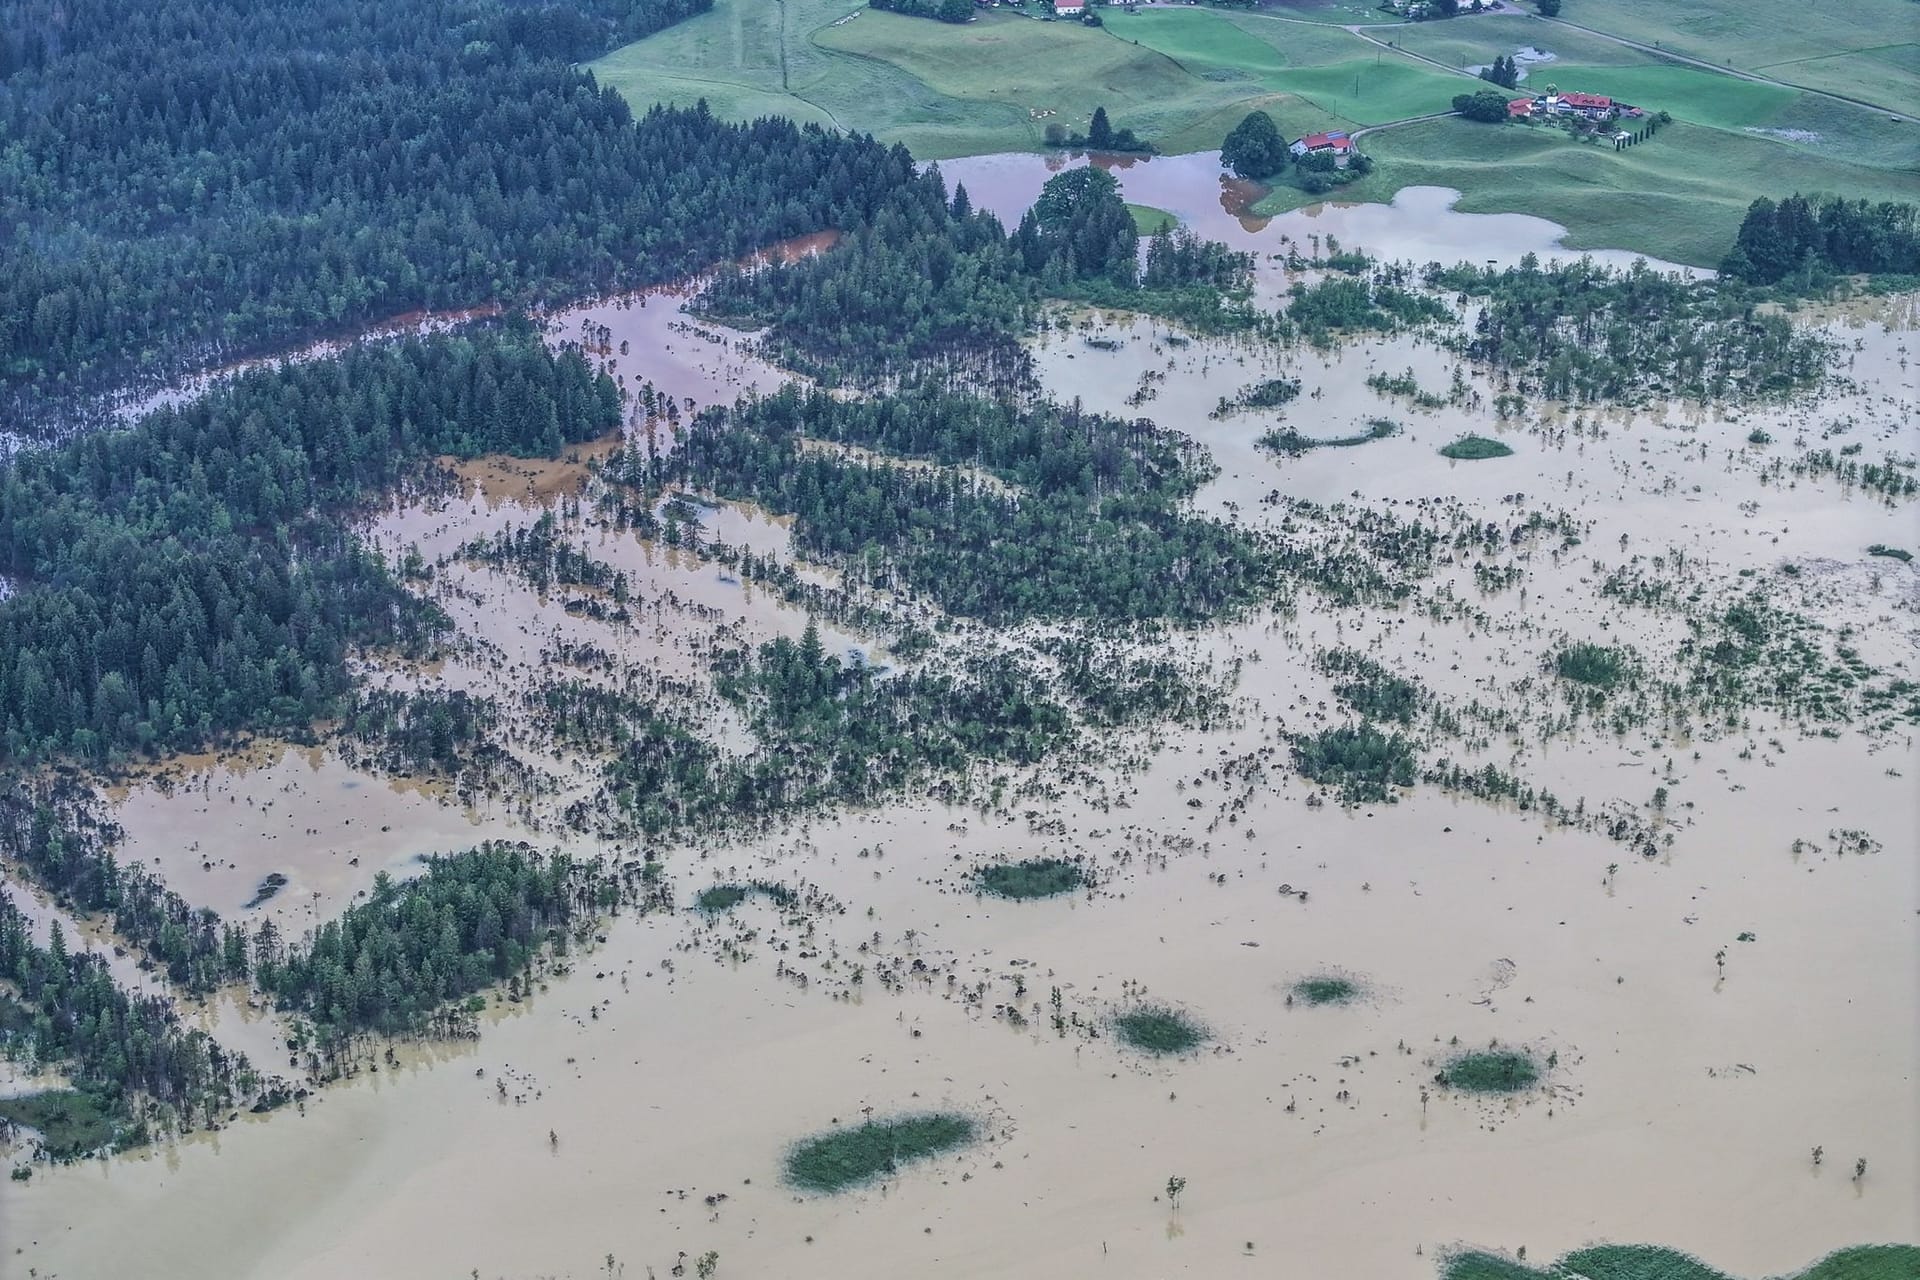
<point x="1320" y="989"/>
<point x="1158" y="1029"/>
<point x="1475" y="449"/>
<point x="1652" y="1262"/>
<point x="71" y="1123"/>
<point x="1147" y="219"/>
<point x="1679" y="197"/>
<point x="1031" y="878"/>
<point x="841" y="1159"/>
<point x="1491" y="1071"/>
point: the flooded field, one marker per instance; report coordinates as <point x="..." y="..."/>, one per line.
<point x="1733" y="983"/>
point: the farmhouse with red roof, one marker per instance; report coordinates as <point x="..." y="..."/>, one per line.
<point x="1333" y="143"/>
<point x="1597" y="107"/>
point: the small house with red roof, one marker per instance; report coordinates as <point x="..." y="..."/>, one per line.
<point x="1069" y="8"/>
<point x="1333" y="143"/>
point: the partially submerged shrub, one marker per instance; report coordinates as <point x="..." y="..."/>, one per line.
<point x="844" y="1158"/>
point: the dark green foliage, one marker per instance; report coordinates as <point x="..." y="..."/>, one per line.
<point x="1355" y="305"/>
<point x="1255" y="149"/>
<point x="1369" y="689"/>
<point x="1491" y="1071"/>
<point x="1100" y="134"/>
<point x="1892" y="553"/>
<point x="1326" y="989"/>
<point x="65" y="1010"/>
<point x="1504" y="72"/>
<point x="433" y="731"/>
<point x="193" y="575"/>
<point x="842" y="1159"/>
<point x="831" y="731"/>
<point x="1360" y="762"/>
<point x="1096" y="529"/>
<point x="1031" y="878"/>
<point x="472" y="920"/>
<point x="1652" y="1262"/>
<point x="1809" y="238"/>
<point x="1593" y="664"/>
<point x="49" y="826"/>
<point x="1289" y="441"/>
<point x="930" y="283"/>
<point x="193" y="182"/>
<point x="1471" y="448"/>
<point x="1270" y="393"/>
<point x="721" y="897"/>
<point x="1581" y="331"/>
<point x="944" y="10"/>
<point x="71" y="1123"/>
<point x="1158" y="1029"/>
<point x="1483" y="105"/>
<point x="1548" y="8"/>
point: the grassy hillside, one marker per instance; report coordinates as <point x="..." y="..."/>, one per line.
<point x="1679" y="197"/>
<point x="1869" y="49"/>
<point x="1182" y="77"/>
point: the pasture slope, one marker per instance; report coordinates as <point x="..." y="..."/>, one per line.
<point x="1183" y="76"/>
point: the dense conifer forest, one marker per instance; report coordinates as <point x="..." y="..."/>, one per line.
<point x="187" y="183"/>
<point x="191" y="575"/>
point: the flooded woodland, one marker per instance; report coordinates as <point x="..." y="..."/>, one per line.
<point x="1684" y="895"/>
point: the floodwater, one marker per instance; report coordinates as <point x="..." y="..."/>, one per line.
<point x="675" y="1064"/>
<point x="1420" y="226"/>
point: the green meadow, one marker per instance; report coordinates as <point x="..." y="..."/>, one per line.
<point x="1182" y="77"/>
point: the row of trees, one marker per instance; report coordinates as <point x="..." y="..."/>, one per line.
<point x="931" y="281"/>
<point x="128" y="1054"/>
<point x="1821" y="235"/>
<point x="50" y="829"/>
<point x="194" y="574"/>
<point x="1582" y="331"/>
<point x="190" y="184"/>
<point x="1030" y="509"/>
<point x="395" y="961"/>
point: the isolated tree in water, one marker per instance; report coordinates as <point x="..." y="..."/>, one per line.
<point x="1255" y="148"/>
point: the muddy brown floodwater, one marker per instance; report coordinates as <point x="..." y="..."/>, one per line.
<point x="672" y="1071"/>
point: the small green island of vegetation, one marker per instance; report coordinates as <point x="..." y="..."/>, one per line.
<point x="1652" y="1262"/>
<point x="1030" y="878"/>
<point x="1158" y="1029"/>
<point x="1472" y="448"/>
<point x="1493" y="1070"/>
<point x="842" y="1159"/>
<point x="1325" y="988"/>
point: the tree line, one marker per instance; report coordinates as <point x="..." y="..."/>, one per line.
<point x="1809" y="237"/>
<point x="932" y="282"/>
<point x="194" y="574"/>
<point x="188" y="184"/>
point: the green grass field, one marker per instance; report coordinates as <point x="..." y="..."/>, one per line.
<point x="1182" y="77"/>
<point x="1679" y="197"/>
<point x="1870" y="50"/>
<point x="1147" y="219"/>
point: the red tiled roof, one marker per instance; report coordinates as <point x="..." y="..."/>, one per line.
<point x="1335" y="139"/>
<point x="1586" y="99"/>
<point x="1520" y="107"/>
